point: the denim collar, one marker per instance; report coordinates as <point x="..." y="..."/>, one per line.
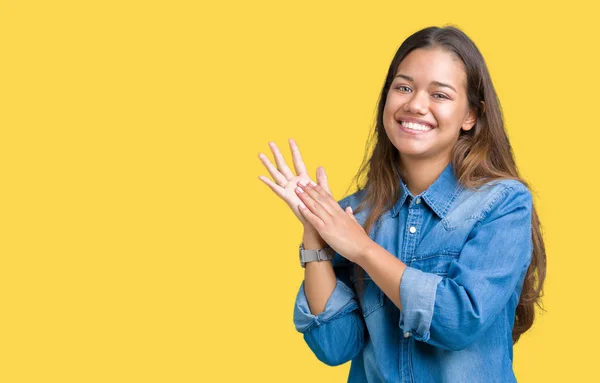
<point x="439" y="196"/>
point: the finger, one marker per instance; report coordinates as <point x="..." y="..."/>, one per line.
<point x="278" y="177"/>
<point x="326" y="199"/>
<point x="311" y="217"/>
<point x="320" y="198"/>
<point x="351" y="213"/>
<point x="276" y="188"/>
<point x="297" y="158"/>
<point x="322" y="179"/>
<point x="314" y="206"/>
<point x="281" y="165"/>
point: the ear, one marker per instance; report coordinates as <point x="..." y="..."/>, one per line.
<point x="470" y="120"/>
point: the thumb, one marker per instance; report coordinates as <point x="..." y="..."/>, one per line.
<point x="322" y="179"/>
<point x="351" y="213"/>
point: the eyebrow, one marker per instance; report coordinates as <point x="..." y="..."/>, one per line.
<point x="433" y="82"/>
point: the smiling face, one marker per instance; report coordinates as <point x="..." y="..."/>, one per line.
<point x="426" y="106"/>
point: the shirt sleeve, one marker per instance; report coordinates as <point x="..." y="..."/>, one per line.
<point x="452" y="312"/>
<point x="335" y="335"/>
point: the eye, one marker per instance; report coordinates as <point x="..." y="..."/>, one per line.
<point x="402" y="87"/>
<point x="443" y="96"/>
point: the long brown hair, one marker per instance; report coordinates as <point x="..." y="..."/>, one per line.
<point x="480" y="155"/>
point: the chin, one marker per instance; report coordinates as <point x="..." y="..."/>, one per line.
<point x="411" y="150"/>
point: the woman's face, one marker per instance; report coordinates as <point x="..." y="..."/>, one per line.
<point x="427" y="106"/>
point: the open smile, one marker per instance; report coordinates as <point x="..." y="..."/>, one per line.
<point x="413" y="128"/>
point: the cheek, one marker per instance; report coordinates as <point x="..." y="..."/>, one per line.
<point x="393" y="99"/>
<point x="392" y="105"/>
<point x="388" y="112"/>
<point x="448" y="117"/>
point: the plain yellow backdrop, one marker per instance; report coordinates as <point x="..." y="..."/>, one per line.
<point x="137" y="243"/>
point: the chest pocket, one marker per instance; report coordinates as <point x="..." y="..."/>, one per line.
<point x="437" y="263"/>
<point x="370" y="296"/>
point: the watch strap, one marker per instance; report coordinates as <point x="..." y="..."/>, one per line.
<point x="324" y="254"/>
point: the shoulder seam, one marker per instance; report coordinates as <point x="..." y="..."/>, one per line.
<point x="502" y="193"/>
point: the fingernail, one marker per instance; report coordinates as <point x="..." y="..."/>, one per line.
<point x="301" y="205"/>
<point x="312" y="183"/>
<point x="299" y="190"/>
<point x="303" y="182"/>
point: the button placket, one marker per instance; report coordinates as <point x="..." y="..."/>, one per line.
<point x="410" y="237"/>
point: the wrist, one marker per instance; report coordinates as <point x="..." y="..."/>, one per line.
<point x="312" y="239"/>
<point x="366" y="252"/>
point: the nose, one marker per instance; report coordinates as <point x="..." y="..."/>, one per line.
<point x="418" y="104"/>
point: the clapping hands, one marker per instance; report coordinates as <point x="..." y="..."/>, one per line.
<point x="314" y="205"/>
<point x="285" y="182"/>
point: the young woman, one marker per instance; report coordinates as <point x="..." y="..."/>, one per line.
<point x="430" y="271"/>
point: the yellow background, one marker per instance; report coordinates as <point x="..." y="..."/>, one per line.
<point x="137" y="243"/>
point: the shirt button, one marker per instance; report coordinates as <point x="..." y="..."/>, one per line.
<point x="412" y="229"/>
<point x="418" y="200"/>
<point x="406" y="334"/>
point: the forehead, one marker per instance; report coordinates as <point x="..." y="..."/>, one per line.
<point x="426" y="65"/>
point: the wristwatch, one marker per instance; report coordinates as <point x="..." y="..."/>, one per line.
<point x="324" y="254"/>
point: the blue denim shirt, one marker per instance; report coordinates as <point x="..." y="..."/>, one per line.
<point x="466" y="262"/>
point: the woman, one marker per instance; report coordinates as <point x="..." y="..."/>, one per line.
<point x="430" y="271"/>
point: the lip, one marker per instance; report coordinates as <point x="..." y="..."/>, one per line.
<point x="410" y="131"/>
<point x="415" y="120"/>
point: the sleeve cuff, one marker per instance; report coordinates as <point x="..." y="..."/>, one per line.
<point x="417" y="296"/>
<point x="341" y="302"/>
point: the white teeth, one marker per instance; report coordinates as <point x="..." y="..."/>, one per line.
<point x="413" y="126"/>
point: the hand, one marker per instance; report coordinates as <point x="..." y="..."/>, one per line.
<point x="286" y="181"/>
<point x="338" y="227"/>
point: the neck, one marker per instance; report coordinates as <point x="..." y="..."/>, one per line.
<point x="419" y="174"/>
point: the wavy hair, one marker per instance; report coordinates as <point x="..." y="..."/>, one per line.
<point x="480" y="155"/>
